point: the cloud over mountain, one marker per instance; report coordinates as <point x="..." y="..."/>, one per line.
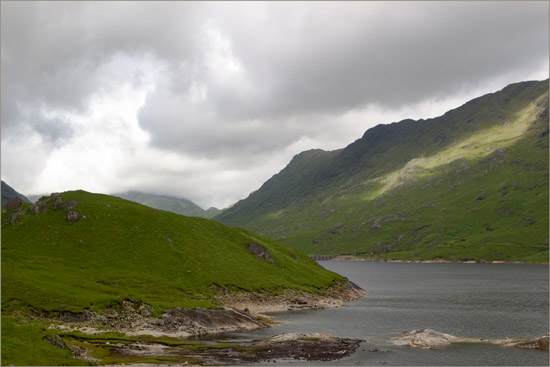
<point x="208" y="100"/>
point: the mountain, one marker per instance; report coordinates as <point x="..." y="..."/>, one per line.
<point x="9" y="193"/>
<point x="171" y="204"/>
<point x="469" y="185"/>
<point x="33" y="198"/>
<point x="212" y="212"/>
<point x="81" y="259"/>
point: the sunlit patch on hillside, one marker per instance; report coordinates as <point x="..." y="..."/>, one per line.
<point x="477" y="146"/>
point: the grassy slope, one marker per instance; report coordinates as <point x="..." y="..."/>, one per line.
<point x="126" y="250"/>
<point x="409" y="190"/>
<point x="161" y="258"/>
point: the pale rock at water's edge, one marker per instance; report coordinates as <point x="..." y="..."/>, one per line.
<point x="431" y="339"/>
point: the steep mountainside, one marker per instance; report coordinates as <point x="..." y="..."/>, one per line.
<point x="9" y="193"/>
<point x="471" y="184"/>
<point x="102" y="260"/>
<point x="171" y="204"/>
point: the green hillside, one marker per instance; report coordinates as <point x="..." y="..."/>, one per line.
<point x="171" y="204"/>
<point x="80" y="251"/>
<point x="471" y="184"/>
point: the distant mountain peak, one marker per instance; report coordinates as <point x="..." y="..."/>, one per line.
<point x="168" y="203"/>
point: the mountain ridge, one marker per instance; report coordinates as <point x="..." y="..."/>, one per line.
<point x="9" y="193"/>
<point x="386" y="158"/>
<point x="169" y="203"/>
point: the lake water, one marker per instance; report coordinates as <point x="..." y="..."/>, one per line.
<point x="466" y="300"/>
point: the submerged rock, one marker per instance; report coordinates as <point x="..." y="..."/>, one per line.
<point x="535" y="343"/>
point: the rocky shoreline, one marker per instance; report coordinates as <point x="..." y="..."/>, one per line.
<point x="309" y="347"/>
<point x="261" y="303"/>
<point x="142" y="335"/>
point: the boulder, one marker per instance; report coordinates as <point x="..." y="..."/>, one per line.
<point x="260" y="252"/>
<point x="57" y="202"/>
<point x="14" y="203"/>
<point x="39" y="207"/>
<point x="56" y="340"/>
<point x="72" y="217"/>
<point x="13" y="218"/>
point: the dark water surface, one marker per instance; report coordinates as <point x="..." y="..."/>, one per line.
<point x="466" y="300"/>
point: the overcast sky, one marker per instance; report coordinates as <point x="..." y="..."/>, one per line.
<point x="207" y="101"/>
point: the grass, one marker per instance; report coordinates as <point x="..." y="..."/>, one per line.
<point x="124" y="250"/>
<point x="23" y="344"/>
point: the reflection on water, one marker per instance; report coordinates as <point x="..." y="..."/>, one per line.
<point x="466" y="300"/>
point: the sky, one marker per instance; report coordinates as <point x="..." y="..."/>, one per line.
<point x="208" y="100"/>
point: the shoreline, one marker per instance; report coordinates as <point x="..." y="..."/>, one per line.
<point x="237" y="311"/>
<point x="433" y="261"/>
<point x="261" y="305"/>
<point x="146" y="336"/>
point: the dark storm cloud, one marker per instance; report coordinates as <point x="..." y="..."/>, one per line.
<point x="340" y="56"/>
<point x="234" y="83"/>
<point x="297" y="59"/>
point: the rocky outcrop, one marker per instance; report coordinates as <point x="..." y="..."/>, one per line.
<point x="260" y="302"/>
<point x="241" y="313"/>
<point x="44" y="204"/>
<point x="311" y="347"/>
<point x="431" y="339"/>
<point x="136" y="318"/>
<point x="72" y="217"/>
<point x="13" y="204"/>
<point x="56" y="340"/>
<point x="261" y="252"/>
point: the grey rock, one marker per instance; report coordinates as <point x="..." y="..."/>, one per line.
<point x="72" y="217"/>
<point x="424" y="338"/>
<point x="14" y="203"/>
<point x="13" y="218"/>
<point x="56" y="340"/>
<point x="260" y="252"/>
<point x="57" y="202"/>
